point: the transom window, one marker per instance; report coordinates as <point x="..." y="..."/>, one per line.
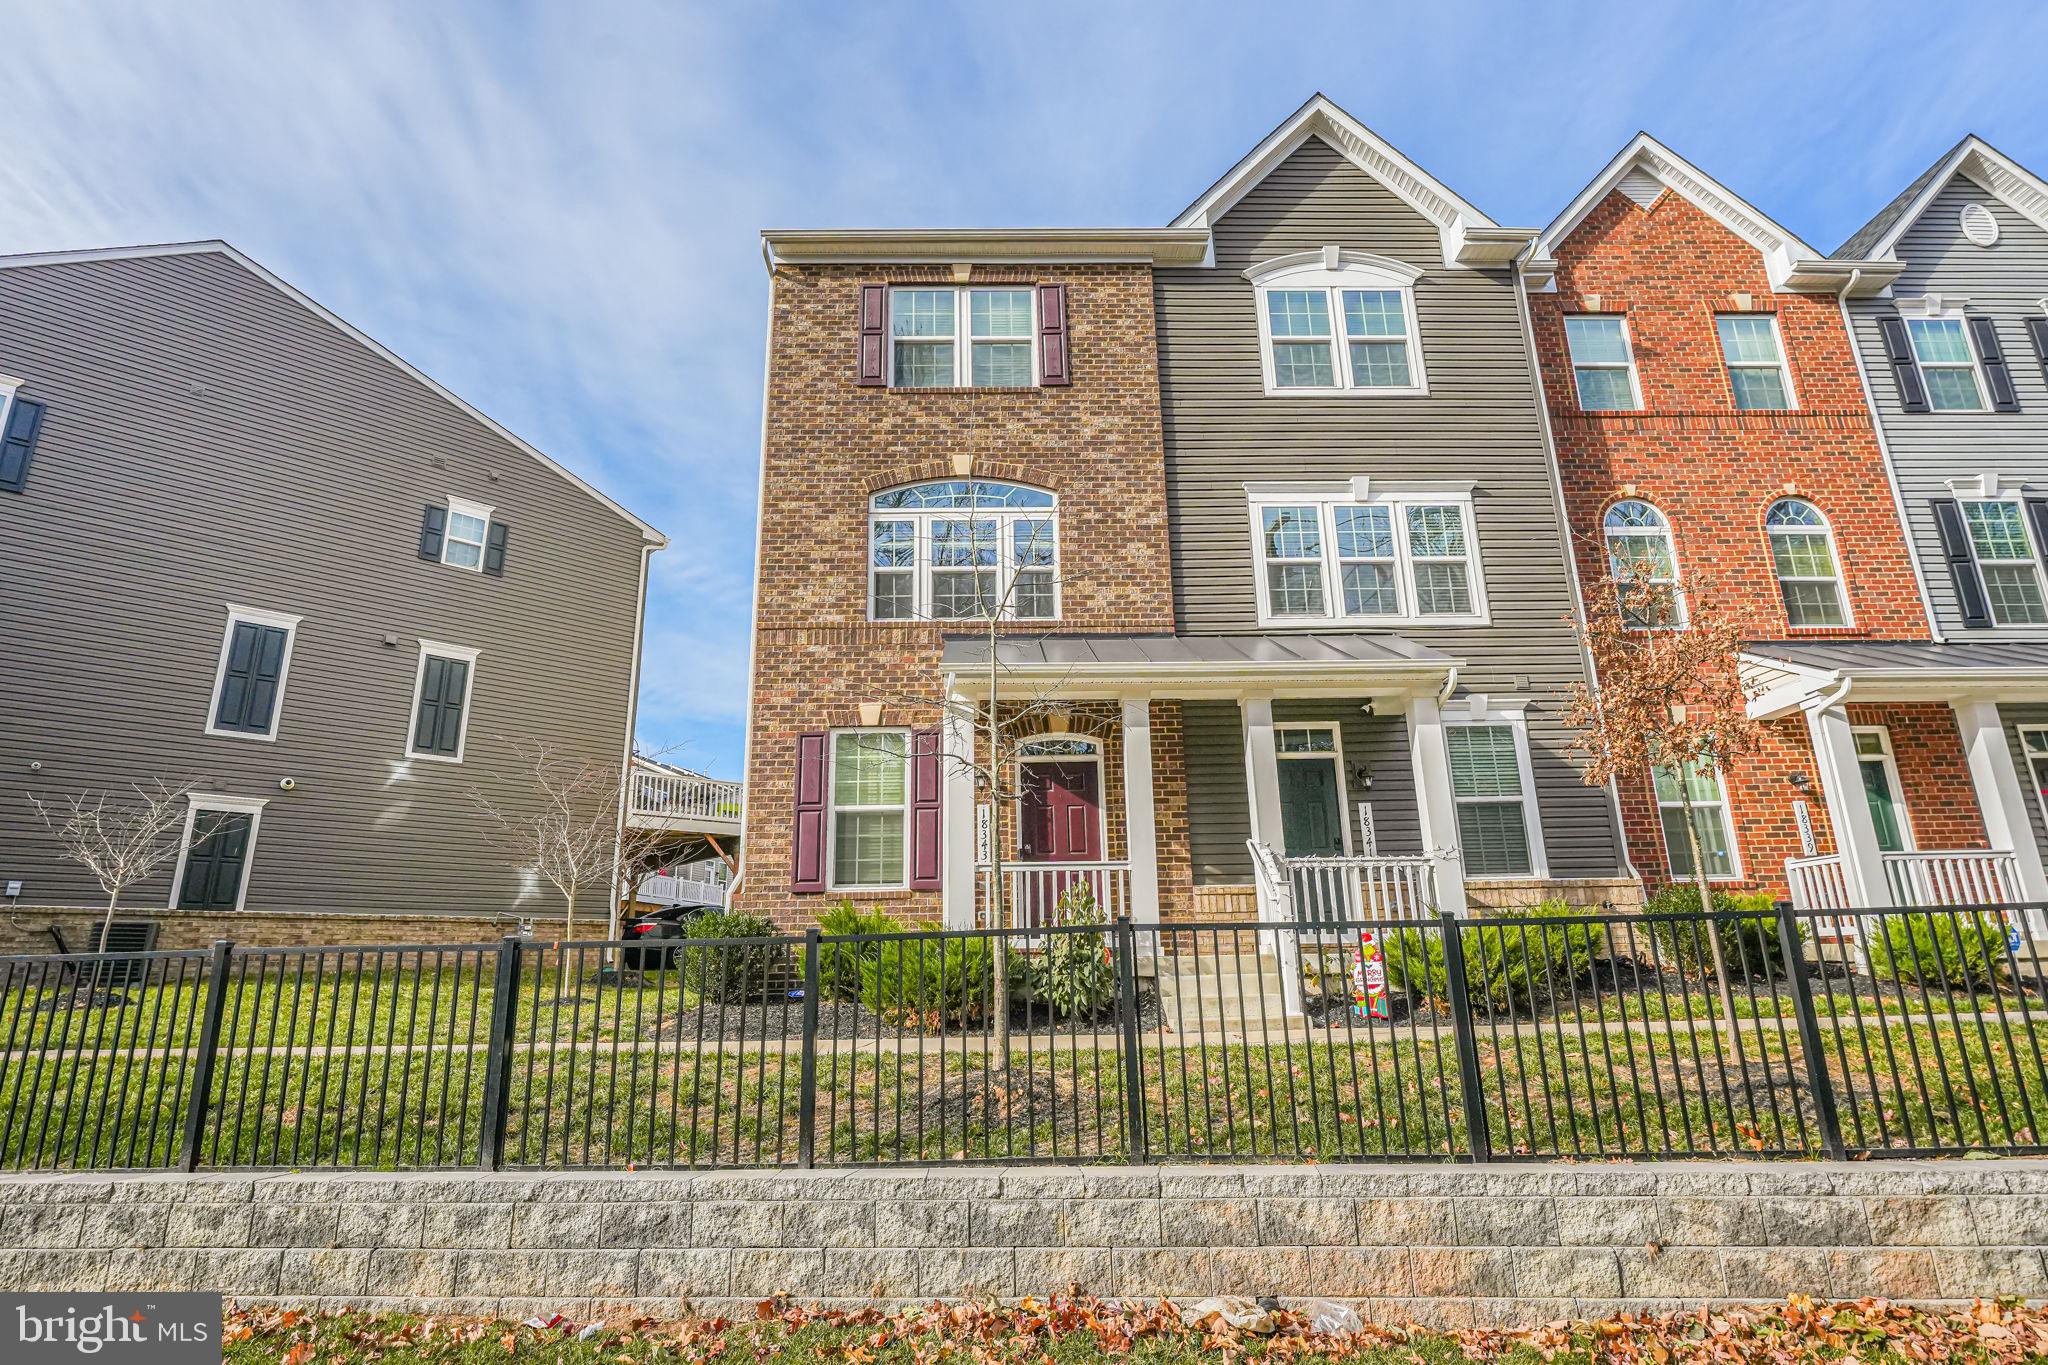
<point x="1709" y="818"/>
<point x="1644" y="566"/>
<point x="1325" y="559"/>
<point x="1603" y="363"/>
<point x="962" y="549"/>
<point x="1756" y="361"/>
<point x="982" y="338"/>
<point x="870" y="787"/>
<point x="2007" y="560"/>
<point x="1803" y="553"/>
<point x="1336" y="321"/>
<point x="1947" y="364"/>
<point x="1492" y="791"/>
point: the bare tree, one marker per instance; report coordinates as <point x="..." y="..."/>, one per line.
<point x="568" y="834"/>
<point x="1669" y="698"/>
<point x="121" y="842"/>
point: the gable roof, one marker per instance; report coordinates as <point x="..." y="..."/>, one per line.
<point x="1470" y="238"/>
<point x="216" y="247"/>
<point x="1788" y="261"/>
<point x="1973" y="157"/>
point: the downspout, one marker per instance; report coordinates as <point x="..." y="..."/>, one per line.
<point x="618" y="894"/>
<point x="1443" y="695"/>
<point x="754" y="605"/>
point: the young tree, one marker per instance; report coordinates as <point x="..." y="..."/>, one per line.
<point x="1667" y="698"/>
<point x="121" y="842"/>
<point x="572" y="834"/>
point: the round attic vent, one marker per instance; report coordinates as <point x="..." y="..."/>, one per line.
<point x="1979" y="226"/>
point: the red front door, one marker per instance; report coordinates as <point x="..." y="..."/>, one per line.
<point x="1061" y="817"/>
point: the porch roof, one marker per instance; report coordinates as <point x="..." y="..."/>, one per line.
<point x="1783" y="674"/>
<point x="1196" y="665"/>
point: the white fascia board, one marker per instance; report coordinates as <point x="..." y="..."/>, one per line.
<point x="984" y="246"/>
<point x="1991" y="171"/>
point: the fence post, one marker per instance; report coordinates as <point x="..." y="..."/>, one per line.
<point x="1465" y="1037"/>
<point x="1817" y="1078"/>
<point x="807" y="1078"/>
<point x="209" y="1045"/>
<point x="1127" y="1015"/>
<point x="498" y="1059"/>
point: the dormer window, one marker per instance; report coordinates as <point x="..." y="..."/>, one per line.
<point x="1338" y="322"/>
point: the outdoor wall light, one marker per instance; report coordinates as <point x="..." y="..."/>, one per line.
<point x="1801" y="783"/>
<point x="1361" y="776"/>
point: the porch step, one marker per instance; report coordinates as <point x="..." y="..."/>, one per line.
<point x="1231" y="990"/>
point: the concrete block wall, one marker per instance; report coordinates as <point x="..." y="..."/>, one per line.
<point x="1442" y="1245"/>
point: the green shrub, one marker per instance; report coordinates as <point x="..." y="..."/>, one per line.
<point x="927" y="982"/>
<point x="839" y="963"/>
<point x="1074" y="975"/>
<point x="1748" y="945"/>
<point x="1507" y="968"/>
<point x="729" y="972"/>
<point x="1959" y="951"/>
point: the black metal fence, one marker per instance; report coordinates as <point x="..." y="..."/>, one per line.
<point x="1520" y="1037"/>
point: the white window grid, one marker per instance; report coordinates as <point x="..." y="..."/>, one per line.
<point x="1032" y="533"/>
<point x="1625" y="365"/>
<point x="1338" y="317"/>
<point x="1944" y="367"/>
<point x="1515" y="723"/>
<point x="1638" y="532"/>
<point x="873" y="739"/>
<point x="1780" y="528"/>
<point x="2008" y="560"/>
<point x="1714" y="802"/>
<point x="1738" y="335"/>
<point x="464" y="537"/>
<point x="975" y="328"/>
<point x="1316" y="542"/>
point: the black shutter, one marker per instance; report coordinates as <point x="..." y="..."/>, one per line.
<point x="438" y="728"/>
<point x="1962" y="565"/>
<point x="1992" y="358"/>
<point x="494" y="550"/>
<point x="248" y="685"/>
<point x="18" y="446"/>
<point x="2037" y="526"/>
<point x="1905" y="367"/>
<point x="216" y="862"/>
<point x="433" y="525"/>
<point x="2037" y="328"/>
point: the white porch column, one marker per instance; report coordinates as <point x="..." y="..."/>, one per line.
<point x="957" y="745"/>
<point x="1262" y="772"/>
<point x="1141" y="834"/>
<point x="2000" y="798"/>
<point x="1841" y="781"/>
<point x="1434" y="806"/>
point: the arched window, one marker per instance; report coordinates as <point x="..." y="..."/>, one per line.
<point x="1803" y="553"/>
<point x="1645" y="567"/>
<point x="961" y="549"/>
<point x="1338" y="321"/>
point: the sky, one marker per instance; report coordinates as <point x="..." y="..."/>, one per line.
<point x="554" y="209"/>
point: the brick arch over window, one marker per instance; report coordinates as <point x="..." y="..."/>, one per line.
<point x="938" y="471"/>
<point x="1640" y="544"/>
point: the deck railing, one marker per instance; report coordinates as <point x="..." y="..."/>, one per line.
<point x="1376" y="887"/>
<point x="1033" y="892"/>
<point x="662" y="889"/>
<point x="1941" y="877"/>
<point x="661" y="795"/>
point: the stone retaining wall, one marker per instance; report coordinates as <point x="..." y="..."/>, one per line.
<point x="1433" y="1244"/>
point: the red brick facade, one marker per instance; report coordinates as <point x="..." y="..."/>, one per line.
<point x="830" y="444"/>
<point x="1713" y="471"/>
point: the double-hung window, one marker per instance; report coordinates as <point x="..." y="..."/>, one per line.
<point x="957" y="338"/>
<point x="870" y="787"/>
<point x="963" y="549"/>
<point x="1491" y="788"/>
<point x="1644" y="566"/>
<point x="1709" y="800"/>
<point x="1325" y="555"/>
<point x="2008" y="561"/>
<point x="2034" y="744"/>
<point x="1603" y="363"/>
<point x="1755" y="356"/>
<point x="249" y="680"/>
<point x="1803" y="553"/>
<point x="440" y="705"/>
<point x="1336" y="321"/>
<point x="1948" y="365"/>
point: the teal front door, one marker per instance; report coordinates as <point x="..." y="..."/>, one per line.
<point x="1312" y="826"/>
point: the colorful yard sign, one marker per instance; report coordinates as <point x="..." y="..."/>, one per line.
<point x="1369" y="978"/>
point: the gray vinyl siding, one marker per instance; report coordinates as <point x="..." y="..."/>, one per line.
<point x="208" y="441"/>
<point x="1480" y="420"/>
<point x="2005" y="283"/>
<point x="1219" y="800"/>
<point x="2013" y="717"/>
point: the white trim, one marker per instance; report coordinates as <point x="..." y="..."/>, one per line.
<point x="1333" y="272"/>
<point x="434" y="649"/>
<point x="1628" y="346"/>
<point x="220" y="248"/>
<point x="1724" y="805"/>
<point x="2028" y="754"/>
<point x="1336" y="755"/>
<point x="963" y="338"/>
<point x="2031" y="561"/>
<point x="987" y="246"/>
<point x="1141" y="832"/>
<point x="832" y="809"/>
<point x="1512" y="714"/>
<point x="1986" y="167"/>
<point x="921" y="567"/>
<point x="1827" y="532"/>
<point x="2001" y="805"/>
<point x="1890" y="763"/>
<point x="8" y="384"/>
<point x="1326" y="498"/>
<point x="251" y="806"/>
<point x="1891" y="472"/>
<point x="254" y="616"/>
<point x="1783" y="364"/>
<point x="1614" y="567"/>
<point x="1101" y="788"/>
<point x="1946" y="308"/>
<point x="463" y="507"/>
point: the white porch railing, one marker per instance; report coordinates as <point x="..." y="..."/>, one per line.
<point x="662" y="889"/>
<point x="659" y="794"/>
<point x="1957" y="877"/>
<point x="1032" y="892"/>
<point x="1369" y="888"/>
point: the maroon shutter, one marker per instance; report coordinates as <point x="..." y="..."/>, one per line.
<point x="807" y="851"/>
<point x="927" y="849"/>
<point x="874" y="326"/>
<point x="1053" y="367"/>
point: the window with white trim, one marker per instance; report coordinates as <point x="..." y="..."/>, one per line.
<point x="469" y="527"/>
<point x="1755" y="356"/>
<point x="1603" y="362"/>
<point x="870" y="815"/>
<point x="1709" y="818"/>
<point x="2007" y="560"/>
<point x="1882" y="788"/>
<point x="1492" y="791"/>
<point x="1803" y="555"/>
<point x="442" y="688"/>
<point x="981" y="337"/>
<point x="216" y="849"/>
<point x="249" y="680"/>
<point x="1948" y="363"/>
<point x="1326" y="556"/>
<point x="963" y="549"/>
<point x="1644" y="566"/>
<point x="2034" y="744"/>
<point x="1335" y="321"/>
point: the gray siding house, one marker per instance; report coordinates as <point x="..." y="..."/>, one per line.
<point x="249" y="548"/>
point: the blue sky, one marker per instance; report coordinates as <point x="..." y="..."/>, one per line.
<point x="553" y="208"/>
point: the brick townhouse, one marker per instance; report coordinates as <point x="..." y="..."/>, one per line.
<point x="1264" y="504"/>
